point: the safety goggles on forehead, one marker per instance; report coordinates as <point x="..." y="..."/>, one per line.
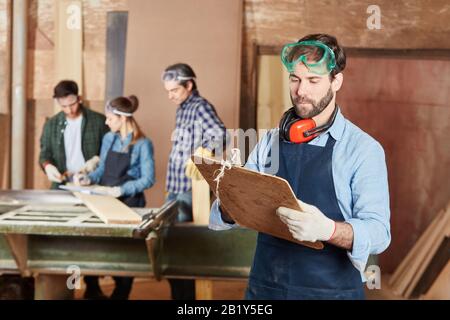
<point x="173" y="75"/>
<point x="110" y="108"/>
<point x="315" y="55"/>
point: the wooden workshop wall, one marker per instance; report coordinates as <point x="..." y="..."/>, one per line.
<point x="405" y="24"/>
<point x="404" y="104"/>
<point x="203" y="33"/>
<point x="415" y="136"/>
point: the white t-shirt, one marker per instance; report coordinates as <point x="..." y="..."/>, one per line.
<point x="72" y="145"/>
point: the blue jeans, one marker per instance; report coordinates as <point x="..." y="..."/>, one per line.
<point x="184" y="201"/>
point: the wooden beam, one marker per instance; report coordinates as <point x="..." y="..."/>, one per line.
<point x="201" y="202"/>
<point x="434" y="269"/>
<point x="201" y="206"/>
<point x="69" y="42"/>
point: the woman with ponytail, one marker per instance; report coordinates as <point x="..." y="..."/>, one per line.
<point x="125" y="170"/>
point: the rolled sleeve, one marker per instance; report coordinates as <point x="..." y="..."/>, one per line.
<point x="371" y="213"/>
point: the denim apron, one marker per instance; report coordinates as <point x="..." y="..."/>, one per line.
<point x="286" y="270"/>
<point x="115" y="174"/>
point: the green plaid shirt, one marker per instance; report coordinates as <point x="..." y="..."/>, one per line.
<point x="93" y="128"/>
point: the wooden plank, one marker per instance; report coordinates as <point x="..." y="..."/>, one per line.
<point x="251" y="198"/>
<point x="201" y="207"/>
<point x="29" y="218"/>
<point x="18" y="243"/>
<point x="398" y="278"/>
<point x="428" y="252"/>
<point x="435" y="267"/>
<point x="109" y="209"/>
<point x="83" y="218"/>
<point x="116" y="43"/>
<point x="441" y="287"/>
<point x="420" y="255"/>
<point x="43" y="214"/>
<point x="5" y="95"/>
<point x="69" y="42"/>
<point x="201" y="202"/>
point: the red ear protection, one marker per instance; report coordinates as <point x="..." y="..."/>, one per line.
<point x="297" y="130"/>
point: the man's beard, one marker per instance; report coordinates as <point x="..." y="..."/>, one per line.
<point x="317" y="107"/>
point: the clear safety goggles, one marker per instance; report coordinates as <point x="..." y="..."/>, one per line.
<point x="315" y="55"/>
<point x="110" y="108"/>
<point x="173" y="75"/>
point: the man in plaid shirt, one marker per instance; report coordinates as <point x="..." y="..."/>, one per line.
<point x="198" y="130"/>
<point x="71" y="140"/>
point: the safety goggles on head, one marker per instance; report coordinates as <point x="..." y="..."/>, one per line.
<point x="315" y="55"/>
<point x="110" y="108"/>
<point x="173" y="75"/>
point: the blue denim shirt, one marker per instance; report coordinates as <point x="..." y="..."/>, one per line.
<point x="142" y="167"/>
<point x="360" y="180"/>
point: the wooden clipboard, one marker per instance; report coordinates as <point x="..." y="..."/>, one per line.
<point x="251" y="198"/>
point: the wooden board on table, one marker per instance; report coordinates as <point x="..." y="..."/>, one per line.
<point x="109" y="209"/>
<point x="251" y="198"/>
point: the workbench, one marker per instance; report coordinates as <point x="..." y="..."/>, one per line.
<point x="49" y="234"/>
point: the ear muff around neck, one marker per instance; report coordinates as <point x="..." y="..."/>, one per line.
<point x="297" y="130"/>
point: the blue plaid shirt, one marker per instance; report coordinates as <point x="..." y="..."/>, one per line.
<point x="197" y="125"/>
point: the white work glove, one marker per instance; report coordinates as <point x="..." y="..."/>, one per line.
<point x="310" y="224"/>
<point x="114" y="192"/>
<point x="90" y="165"/>
<point x="53" y="174"/>
<point x="81" y="179"/>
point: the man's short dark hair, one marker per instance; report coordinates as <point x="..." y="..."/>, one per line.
<point x="65" y="88"/>
<point x="332" y="43"/>
<point x="184" y="70"/>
